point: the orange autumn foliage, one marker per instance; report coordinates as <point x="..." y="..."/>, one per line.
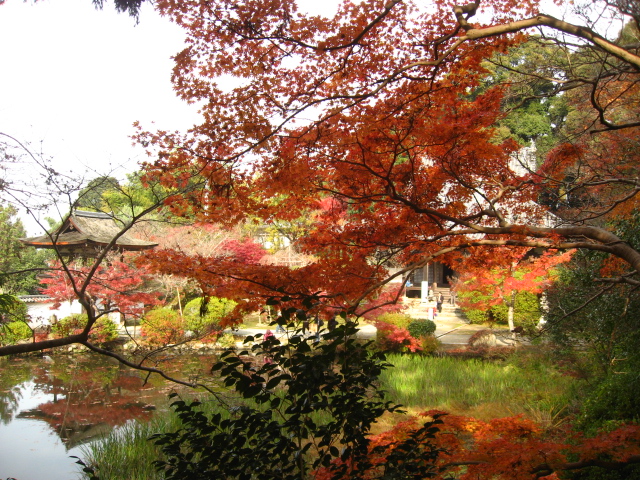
<point x="510" y="448"/>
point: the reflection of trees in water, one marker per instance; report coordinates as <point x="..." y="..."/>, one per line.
<point x="14" y="375"/>
<point x="9" y="401"/>
<point x="88" y="397"/>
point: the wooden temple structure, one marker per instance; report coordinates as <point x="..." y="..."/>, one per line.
<point x="86" y="234"/>
<point x="435" y="273"/>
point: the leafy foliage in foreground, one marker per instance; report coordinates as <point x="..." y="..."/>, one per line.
<point x="315" y="406"/>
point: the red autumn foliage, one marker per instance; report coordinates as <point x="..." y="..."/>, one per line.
<point x="509" y="448"/>
<point x="115" y="286"/>
<point x="391" y="338"/>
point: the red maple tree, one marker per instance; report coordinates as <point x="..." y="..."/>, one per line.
<point x="116" y="286"/>
<point x="502" y="273"/>
<point x="374" y="113"/>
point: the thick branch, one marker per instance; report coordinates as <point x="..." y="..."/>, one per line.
<point x="560" y="25"/>
<point x="43" y="345"/>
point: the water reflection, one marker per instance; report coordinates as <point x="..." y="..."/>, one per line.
<point x="50" y="408"/>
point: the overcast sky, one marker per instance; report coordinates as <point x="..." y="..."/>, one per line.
<point x="76" y="79"/>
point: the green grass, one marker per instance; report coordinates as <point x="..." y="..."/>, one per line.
<point x="478" y="388"/>
<point x="527" y="385"/>
<point x="127" y="454"/>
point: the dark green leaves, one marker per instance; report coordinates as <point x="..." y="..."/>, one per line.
<point x="307" y="405"/>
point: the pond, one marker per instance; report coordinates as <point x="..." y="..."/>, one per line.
<point x="49" y="407"/>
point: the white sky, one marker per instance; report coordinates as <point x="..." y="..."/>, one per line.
<point x="73" y="81"/>
<point x="76" y="79"/>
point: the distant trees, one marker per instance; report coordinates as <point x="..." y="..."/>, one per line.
<point x="500" y="279"/>
<point x="19" y="266"/>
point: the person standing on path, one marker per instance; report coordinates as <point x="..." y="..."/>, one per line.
<point x="439" y="302"/>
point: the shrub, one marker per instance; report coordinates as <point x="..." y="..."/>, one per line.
<point x="70" y="325"/>
<point x="391" y="338"/>
<point x="227" y="340"/>
<point x="162" y="326"/>
<point x="13" y="332"/>
<point x="526" y="312"/>
<point x="202" y="316"/>
<point x="615" y="400"/>
<point x="102" y="332"/>
<point x="12" y="309"/>
<point x="401" y="320"/>
<point x="13" y="320"/>
<point x="313" y="405"/>
<point x="429" y="344"/>
<point x="421" y="327"/>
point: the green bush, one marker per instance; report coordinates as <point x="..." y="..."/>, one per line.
<point x="526" y="312"/>
<point x="103" y="332"/>
<point x="401" y="320"/>
<point x="429" y="344"/>
<point x="227" y="340"/>
<point x="162" y="326"/>
<point x="312" y="407"/>
<point x="13" y="332"/>
<point x="69" y="325"/>
<point x="13" y="320"/>
<point x="421" y="327"/>
<point x="475" y="315"/>
<point x="12" y="309"/>
<point x="202" y="317"/>
<point x="615" y="400"/>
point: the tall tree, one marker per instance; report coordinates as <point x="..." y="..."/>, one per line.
<point x="19" y="266"/>
<point x="509" y="272"/>
<point x="373" y="109"/>
<point x="91" y="196"/>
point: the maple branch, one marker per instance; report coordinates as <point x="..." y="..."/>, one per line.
<point x="626" y="279"/>
<point x="43" y="344"/>
<point x="556" y="24"/>
<point x="318" y="47"/>
<point x="26" y="270"/>
<point x="387" y="9"/>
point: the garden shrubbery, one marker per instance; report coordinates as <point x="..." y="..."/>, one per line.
<point x="527" y="311"/>
<point x="203" y="316"/>
<point x="398" y="332"/>
<point x="401" y="320"/>
<point x="103" y="332"/>
<point x="421" y="327"/>
<point x="14" y="332"/>
<point x="162" y="326"/>
<point x="13" y="320"/>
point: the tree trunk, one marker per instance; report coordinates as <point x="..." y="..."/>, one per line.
<point x="511" y="305"/>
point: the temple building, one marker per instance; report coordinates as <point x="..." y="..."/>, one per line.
<point x="86" y="234"/>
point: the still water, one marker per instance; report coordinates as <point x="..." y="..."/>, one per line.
<point x="48" y="410"/>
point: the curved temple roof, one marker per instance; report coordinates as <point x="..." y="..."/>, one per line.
<point x="84" y="232"/>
